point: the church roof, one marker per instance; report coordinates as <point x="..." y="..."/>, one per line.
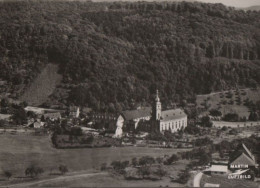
<point x="139" y="113"/>
<point x="173" y="114"/>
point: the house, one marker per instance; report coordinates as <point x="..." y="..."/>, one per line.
<point x="38" y="124"/>
<point x="74" y="111"/>
<point x="52" y="116"/>
<point x="242" y="158"/>
<point x="134" y="116"/>
<point x="5" y="117"/>
<point x="86" y="111"/>
<point x="217" y="169"/>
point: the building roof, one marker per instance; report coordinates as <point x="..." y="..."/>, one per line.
<point x="243" y="159"/>
<point x="218" y="168"/>
<point x="173" y="114"/>
<point x="5" y="116"/>
<point x="248" y="152"/>
<point x="134" y="114"/>
<point x="52" y="115"/>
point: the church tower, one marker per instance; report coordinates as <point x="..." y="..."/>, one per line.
<point x="157" y="108"/>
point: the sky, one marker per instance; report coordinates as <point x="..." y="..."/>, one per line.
<point x="233" y="3"/>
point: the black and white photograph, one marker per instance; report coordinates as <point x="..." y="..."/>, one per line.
<point x="129" y="93"/>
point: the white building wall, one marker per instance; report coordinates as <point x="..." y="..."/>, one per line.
<point x="173" y="125"/>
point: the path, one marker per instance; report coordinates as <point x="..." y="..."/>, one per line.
<point x="57" y="179"/>
<point x="196" y="180"/>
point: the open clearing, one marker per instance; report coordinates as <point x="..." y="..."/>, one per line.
<point x="19" y="151"/>
<point x="43" y="86"/>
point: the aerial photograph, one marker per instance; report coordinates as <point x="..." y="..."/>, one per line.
<point x="129" y="93"/>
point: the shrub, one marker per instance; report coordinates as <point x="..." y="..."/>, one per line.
<point x="7" y="174"/>
<point x="183" y="177"/>
<point x="33" y="171"/>
<point x="146" y="160"/>
<point x="103" y="166"/>
<point x="160" y="172"/>
<point x="63" y="169"/>
<point x="171" y="159"/>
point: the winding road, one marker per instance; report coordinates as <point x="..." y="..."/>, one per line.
<point x="196" y="180"/>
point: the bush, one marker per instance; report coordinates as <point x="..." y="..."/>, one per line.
<point x="7" y="174"/>
<point x="215" y="112"/>
<point x="33" y="171"/>
<point x="103" y="166"/>
<point x="119" y="166"/>
<point x="183" y="177"/>
<point x="160" y="172"/>
<point x="63" y="169"/>
<point x="206" y="122"/>
<point x="146" y="160"/>
<point x="76" y="131"/>
<point x="231" y="117"/>
<point x="171" y="159"/>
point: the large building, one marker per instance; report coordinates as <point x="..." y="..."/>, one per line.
<point x="171" y="120"/>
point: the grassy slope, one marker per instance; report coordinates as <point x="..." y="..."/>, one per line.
<point x="216" y="98"/>
<point x="43" y="86"/>
<point x="19" y="151"/>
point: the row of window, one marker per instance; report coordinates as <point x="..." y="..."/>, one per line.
<point x="173" y="125"/>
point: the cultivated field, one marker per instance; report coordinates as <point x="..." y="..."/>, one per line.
<point x="19" y="151"/>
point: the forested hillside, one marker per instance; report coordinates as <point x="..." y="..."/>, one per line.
<point x="112" y="55"/>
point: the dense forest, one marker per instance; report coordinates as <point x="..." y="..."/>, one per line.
<point x="114" y="55"/>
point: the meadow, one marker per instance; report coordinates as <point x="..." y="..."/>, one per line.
<point x="20" y="151"/>
<point x="230" y="101"/>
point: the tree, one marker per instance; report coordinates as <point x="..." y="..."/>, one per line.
<point x="146" y="160"/>
<point x="63" y="169"/>
<point x="160" y="172"/>
<point x="103" y="166"/>
<point x="231" y="117"/>
<point x="183" y="176"/>
<point x="19" y="117"/>
<point x="33" y="171"/>
<point x="253" y="116"/>
<point x="215" y="112"/>
<point x="7" y="174"/>
<point x="206" y="122"/>
<point x="171" y="159"/>
<point x="144" y="171"/>
<point x="134" y="161"/>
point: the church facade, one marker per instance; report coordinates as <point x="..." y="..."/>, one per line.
<point x="169" y="120"/>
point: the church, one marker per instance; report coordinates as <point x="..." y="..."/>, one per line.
<point x="171" y="120"/>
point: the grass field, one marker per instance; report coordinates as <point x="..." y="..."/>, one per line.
<point x="19" y="151"/>
<point x="228" y="101"/>
<point x="225" y="182"/>
<point x="43" y="86"/>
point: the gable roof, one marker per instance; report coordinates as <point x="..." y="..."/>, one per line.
<point x="173" y="114"/>
<point x="248" y="152"/>
<point x="243" y="159"/>
<point x="52" y="115"/>
<point x="134" y="114"/>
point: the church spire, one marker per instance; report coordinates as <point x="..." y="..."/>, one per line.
<point x="157" y="108"/>
<point x="157" y="99"/>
